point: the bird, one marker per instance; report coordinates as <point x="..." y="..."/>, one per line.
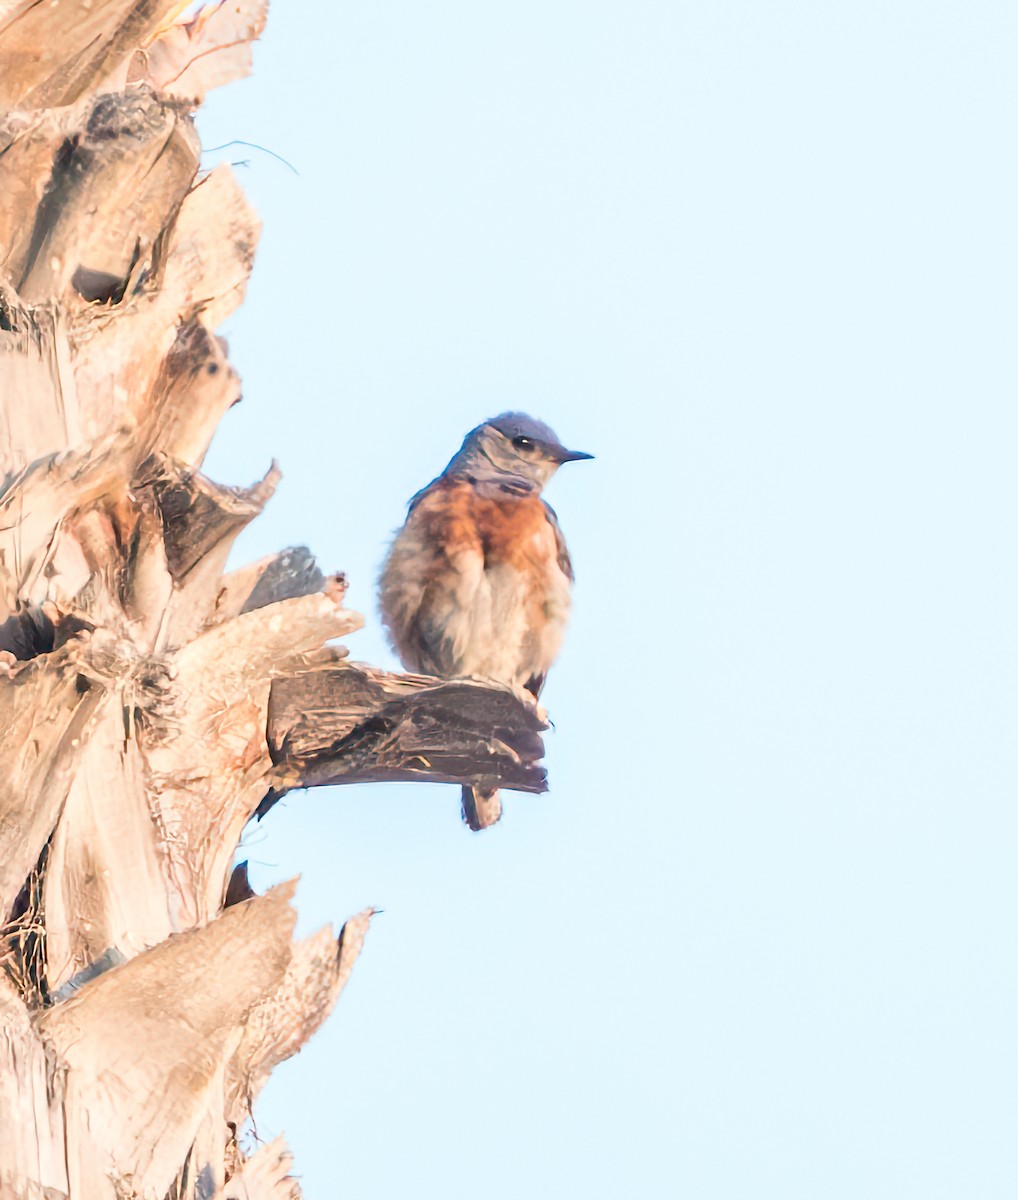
<point x="478" y="581"/>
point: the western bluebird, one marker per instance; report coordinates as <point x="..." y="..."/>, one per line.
<point x="478" y="580"/>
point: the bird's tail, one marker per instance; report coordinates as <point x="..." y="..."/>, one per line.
<point x="481" y="807"/>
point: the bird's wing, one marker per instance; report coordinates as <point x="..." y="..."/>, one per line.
<point x="535" y="683"/>
<point x="417" y="497"/>
<point x="565" y="563"/>
<point x="430" y="581"/>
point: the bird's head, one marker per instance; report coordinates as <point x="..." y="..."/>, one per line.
<point x="514" y="450"/>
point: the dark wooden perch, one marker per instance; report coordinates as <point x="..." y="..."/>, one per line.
<point x="150" y="704"/>
<point x="350" y="723"/>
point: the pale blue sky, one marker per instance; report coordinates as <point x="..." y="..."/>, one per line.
<point x="759" y="942"/>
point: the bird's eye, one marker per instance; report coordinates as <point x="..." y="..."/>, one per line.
<point x="523" y="443"/>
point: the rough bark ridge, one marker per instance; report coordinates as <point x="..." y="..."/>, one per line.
<point x="150" y="704"/>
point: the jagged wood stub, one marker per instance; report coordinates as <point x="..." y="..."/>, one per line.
<point x="350" y="723"/>
<point x="134" y="1116"/>
<point x="151" y="703"/>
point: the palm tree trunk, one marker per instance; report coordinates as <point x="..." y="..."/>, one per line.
<point x="152" y="703"/>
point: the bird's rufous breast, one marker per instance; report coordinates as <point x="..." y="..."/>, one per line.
<point x="514" y="530"/>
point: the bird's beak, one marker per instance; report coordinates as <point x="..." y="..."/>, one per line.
<point x="562" y="455"/>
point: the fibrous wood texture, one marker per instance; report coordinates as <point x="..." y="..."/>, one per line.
<point x="152" y="703"/>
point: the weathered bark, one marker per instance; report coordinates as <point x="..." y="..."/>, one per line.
<point x="348" y="723"/>
<point x="152" y="703"/>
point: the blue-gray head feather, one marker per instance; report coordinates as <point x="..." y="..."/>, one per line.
<point x="518" y="424"/>
<point x="512" y="453"/>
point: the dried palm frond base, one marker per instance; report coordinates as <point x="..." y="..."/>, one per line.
<point x="150" y="702"/>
